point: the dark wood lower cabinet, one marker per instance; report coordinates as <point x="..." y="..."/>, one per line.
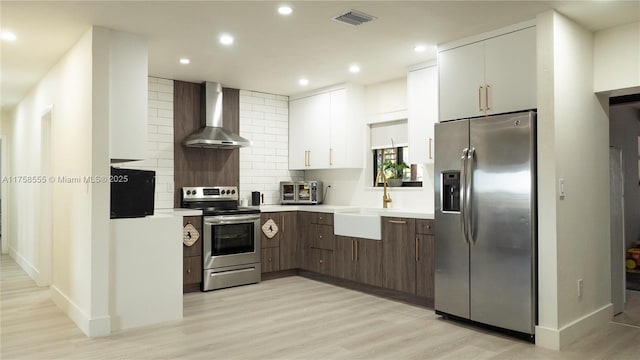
<point x="270" y="259"/>
<point x="359" y="260"/>
<point x="399" y="256"/>
<point x="192" y="257"/>
<point x="289" y="247"/>
<point x="192" y="270"/>
<point x="321" y="261"/>
<point x="425" y="265"/>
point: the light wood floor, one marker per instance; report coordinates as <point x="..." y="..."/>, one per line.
<point x="288" y="318"/>
<point x="631" y="314"/>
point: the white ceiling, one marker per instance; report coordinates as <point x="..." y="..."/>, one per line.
<point x="271" y="52"/>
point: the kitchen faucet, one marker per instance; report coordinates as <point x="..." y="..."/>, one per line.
<point x="386" y="198"/>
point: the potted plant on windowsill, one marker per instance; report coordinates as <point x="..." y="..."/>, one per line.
<point x="394" y="172"/>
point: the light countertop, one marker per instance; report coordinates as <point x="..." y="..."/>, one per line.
<point x="178" y="212"/>
<point x="408" y="213"/>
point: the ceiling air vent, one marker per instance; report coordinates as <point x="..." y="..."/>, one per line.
<point x="354" y="18"/>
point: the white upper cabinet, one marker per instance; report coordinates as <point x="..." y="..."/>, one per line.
<point x="128" y="82"/>
<point x="422" y="101"/>
<point x="491" y="76"/>
<point x="326" y="129"/>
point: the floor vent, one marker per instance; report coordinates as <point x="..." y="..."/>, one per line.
<point x="354" y="18"/>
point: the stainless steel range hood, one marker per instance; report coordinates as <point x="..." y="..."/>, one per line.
<point x="212" y="134"/>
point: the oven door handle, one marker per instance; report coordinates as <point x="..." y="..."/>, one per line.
<point x="230" y="219"/>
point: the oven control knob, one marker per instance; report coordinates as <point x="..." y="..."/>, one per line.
<point x="224" y="192"/>
<point x="233" y="191"/>
<point x="188" y="192"/>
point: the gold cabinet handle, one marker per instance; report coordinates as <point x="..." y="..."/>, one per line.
<point x="282" y="222"/>
<point x="189" y="270"/>
<point x="430" y="152"/>
<point x="417" y="249"/>
<point x="357" y="257"/>
<point x="353" y="250"/>
<point x="480" y="98"/>
<point x="397" y="221"/>
<point x="486" y="96"/>
<point x="428" y="226"/>
<point x="321" y="261"/>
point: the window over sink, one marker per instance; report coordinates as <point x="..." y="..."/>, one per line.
<point x="390" y="151"/>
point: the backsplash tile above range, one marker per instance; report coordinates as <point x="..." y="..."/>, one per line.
<point x="264" y="119"/>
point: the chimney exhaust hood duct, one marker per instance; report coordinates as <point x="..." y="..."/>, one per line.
<point x="212" y="135"/>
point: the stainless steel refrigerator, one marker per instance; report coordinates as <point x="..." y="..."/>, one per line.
<point x="485" y="204"/>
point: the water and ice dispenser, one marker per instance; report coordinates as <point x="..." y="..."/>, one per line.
<point x="451" y="191"/>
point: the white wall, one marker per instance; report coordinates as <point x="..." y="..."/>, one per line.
<point x="354" y="186"/>
<point x="159" y="141"/>
<point x="625" y="129"/>
<point x="78" y="88"/>
<point x="617" y="59"/>
<point x="264" y="119"/>
<point x="573" y="142"/>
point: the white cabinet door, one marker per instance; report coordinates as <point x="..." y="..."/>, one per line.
<point x="422" y="101"/>
<point x="309" y="120"/>
<point x="510" y="71"/>
<point x="128" y="76"/>
<point x="461" y="81"/>
<point x="338" y="147"/>
<point x="326" y="129"/>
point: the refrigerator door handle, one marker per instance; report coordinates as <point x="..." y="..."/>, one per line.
<point x="463" y="193"/>
<point x="469" y="198"/>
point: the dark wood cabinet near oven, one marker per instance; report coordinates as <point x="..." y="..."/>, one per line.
<point x="280" y="252"/>
<point x="192" y="258"/>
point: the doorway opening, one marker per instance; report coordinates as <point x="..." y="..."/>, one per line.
<point x="624" y="116"/>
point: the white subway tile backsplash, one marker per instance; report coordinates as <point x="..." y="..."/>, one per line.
<point x="164" y="113"/>
<point x="264" y="120"/>
<point x="161" y="87"/>
<point x="160" y="140"/>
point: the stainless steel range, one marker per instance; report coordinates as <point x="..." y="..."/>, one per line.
<point x="231" y="236"/>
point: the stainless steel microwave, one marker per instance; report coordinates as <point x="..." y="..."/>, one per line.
<point x="301" y="192"/>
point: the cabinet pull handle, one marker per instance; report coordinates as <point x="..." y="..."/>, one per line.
<point x="430" y="152"/>
<point x="282" y="223"/>
<point x="320" y="236"/>
<point x="189" y="270"/>
<point x="357" y="257"/>
<point x="417" y="249"/>
<point x="321" y="261"/>
<point x="479" y="98"/>
<point x="486" y="96"/>
<point x="330" y="156"/>
<point x="397" y="221"/>
<point x="353" y="250"/>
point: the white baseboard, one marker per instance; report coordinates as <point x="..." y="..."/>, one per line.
<point x="25" y="264"/>
<point x="558" y="339"/>
<point x="91" y="327"/>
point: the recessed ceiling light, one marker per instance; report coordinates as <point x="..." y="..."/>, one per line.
<point x="419" y="48"/>
<point x="285" y="10"/>
<point x="8" y="36"/>
<point x="354" y="69"/>
<point x="303" y="82"/>
<point x="184" y="61"/>
<point x="226" y="39"/>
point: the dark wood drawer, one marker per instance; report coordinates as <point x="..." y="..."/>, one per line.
<point x="425" y="226"/>
<point x="322" y="237"/>
<point x="270" y="259"/>
<point x="191" y="270"/>
<point x="321" y="261"/>
<point x="322" y="218"/>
